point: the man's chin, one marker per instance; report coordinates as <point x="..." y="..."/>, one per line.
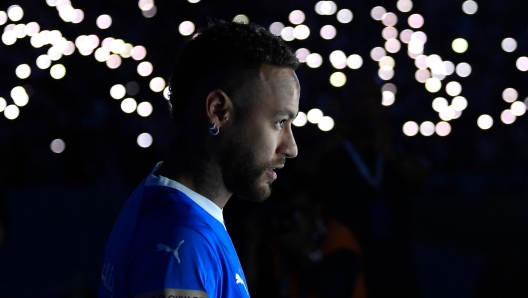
<point x="258" y="194"/>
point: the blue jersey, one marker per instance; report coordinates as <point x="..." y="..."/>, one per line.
<point x="166" y="243"/>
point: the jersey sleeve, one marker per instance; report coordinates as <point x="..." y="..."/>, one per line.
<point x="178" y="260"/>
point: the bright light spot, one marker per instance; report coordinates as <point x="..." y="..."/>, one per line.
<point x="338" y="59"/>
<point x="433" y="85"/>
<point x="11" y="112"/>
<point x="314" y="60"/>
<point x="325" y="7"/>
<point x="276" y="28"/>
<point x="509" y="44"/>
<point x="404" y="5"/>
<point x="354" y="61"/>
<point x="387" y="62"/>
<point x="447" y="113"/>
<point x="387" y="98"/>
<point x="193" y="1"/>
<point x="410" y="128"/>
<point x="3" y="104"/>
<point x="386" y="74"/>
<point x="338" y="79"/>
<point x="102" y="54"/>
<point x="117" y="91"/>
<point x="345" y="16"/>
<point x="449" y="67"/>
<point x="15" y="13"/>
<point x="19" y="96"/>
<point x="392" y="45"/>
<point x="58" y="71"/>
<point x="427" y="128"/>
<point x="463" y="69"/>
<point x="52" y="3"/>
<point x="301" y="32"/>
<point x="507" y="117"/>
<point x="459" y="45"/>
<point x="32" y="29"/>
<point x="9" y="38"/>
<point x="157" y="84"/>
<point x="459" y="103"/>
<point x="287" y="34"/>
<point x="377" y="53"/>
<point x="54" y="53"/>
<point x="150" y="13"/>
<point x="241" y="18"/>
<point x="144" y="109"/>
<point x="166" y="93"/>
<point x="79" y="16"/>
<point x="20" y="30"/>
<point x="415" y="21"/>
<point x="439" y="104"/>
<point x="3" y="17"/>
<point x="326" y="123"/>
<point x="518" y="108"/>
<point x="421" y="62"/>
<point x="113" y="61"/>
<point x="314" y="116"/>
<point x="23" y="71"/>
<point x="128" y="105"/>
<point x="144" y="140"/>
<point x="300" y="120"/>
<point x="302" y="54"/>
<point x="443" y="128"/>
<point x="509" y="95"/>
<point x="186" y="28"/>
<point x="484" y="121"/>
<point x="328" y="32"/>
<point x="104" y="21"/>
<point x="66" y="12"/>
<point x="453" y="88"/>
<point x="117" y="46"/>
<point x="145" y="68"/>
<point x="389" y="19"/>
<point x="405" y="35"/>
<point x="522" y="63"/>
<point x="389" y="33"/>
<point x="433" y="61"/>
<point x="422" y="75"/>
<point x="43" y="61"/>
<point x="416" y="47"/>
<point x="389" y="87"/>
<point x="377" y="13"/>
<point x="419" y="36"/>
<point x="138" y="52"/>
<point x="57" y="146"/>
<point x="127" y="52"/>
<point x="296" y="17"/>
<point x="469" y="7"/>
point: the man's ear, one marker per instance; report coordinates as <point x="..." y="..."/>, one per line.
<point x="219" y="107"/>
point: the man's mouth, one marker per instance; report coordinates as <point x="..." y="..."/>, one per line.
<point x="271" y="171"/>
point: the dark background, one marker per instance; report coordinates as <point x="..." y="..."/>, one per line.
<point x="468" y="223"/>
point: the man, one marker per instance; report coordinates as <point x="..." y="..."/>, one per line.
<point x="234" y="95"/>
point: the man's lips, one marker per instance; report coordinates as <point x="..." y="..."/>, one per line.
<point x="271" y="171"/>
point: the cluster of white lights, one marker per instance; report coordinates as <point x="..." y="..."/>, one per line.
<point x="388" y="94"/>
<point x="129" y="105"/>
<point x="66" y="11"/>
<point x="148" y="9"/>
<point x="517" y="108"/>
<point x="426" y="128"/>
<point x="20" y="98"/>
<point x="314" y="116"/>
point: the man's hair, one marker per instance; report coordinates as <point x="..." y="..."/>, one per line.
<point x="231" y="53"/>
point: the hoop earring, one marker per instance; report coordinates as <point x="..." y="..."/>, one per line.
<point x="214" y="130"/>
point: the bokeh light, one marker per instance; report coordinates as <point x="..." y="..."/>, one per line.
<point x="485" y="122"/>
<point x="463" y="69"/>
<point x="459" y="45"/>
<point x="453" y="88"/>
<point x="387" y="98"/>
<point x="422" y="75"/>
<point x="325" y="8"/>
<point x="145" y="68"/>
<point x="150" y="13"/>
<point x="345" y="16"/>
<point x="301" y="32"/>
<point x="104" y="21"/>
<point x="314" y="60"/>
<point x="522" y="63"/>
<point x="102" y="54"/>
<point x="377" y="53"/>
<point x="469" y="7"/>
<point x="276" y="28"/>
<point x="389" y="19"/>
<point x="186" y="28"/>
<point x="389" y="87"/>
<point x="11" y="112"/>
<point x="314" y="116"/>
<point x="377" y="13"/>
<point x="296" y="17"/>
<point x="328" y="32"/>
<point x="15" y="13"/>
<point x="287" y="34"/>
<point x="389" y="33"/>
<point x="338" y="59"/>
<point x="193" y="1"/>
<point x="386" y="74"/>
<point x="128" y="105"/>
<point x="449" y="67"/>
<point x="117" y="91"/>
<point x="166" y="93"/>
<point x="23" y="71"/>
<point x="43" y="61"/>
<point x="439" y="104"/>
<point x="459" y="103"/>
<point x="144" y="109"/>
<point x="443" y="128"/>
<point x="415" y="21"/>
<point x="32" y="28"/>
<point x="354" y="61"/>
<point x="326" y="123"/>
<point x="9" y="37"/>
<point x="392" y="45"/>
<point x="507" y="117"/>
<point x="338" y="79"/>
<point x="427" y="128"/>
<point x="144" y="140"/>
<point x="509" y="44"/>
<point x="518" y="108"/>
<point x="300" y="120"/>
<point x="3" y="17"/>
<point x="58" y="71"/>
<point x="138" y="52"/>
<point x="19" y="96"/>
<point x="302" y="54"/>
<point x="157" y="84"/>
<point x="404" y="5"/>
<point x="3" y="104"/>
<point x="433" y="85"/>
<point x="447" y="113"/>
<point x="241" y="18"/>
<point x="410" y="128"/>
<point x="510" y="95"/>
<point x="57" y="146"/>
<point x="113" y="61"/>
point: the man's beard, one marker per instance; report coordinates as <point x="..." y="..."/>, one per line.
<point x="242" y="173"/>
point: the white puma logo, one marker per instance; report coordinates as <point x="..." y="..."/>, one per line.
<point x="240" y="281"/>
<point x="163" y="247"/>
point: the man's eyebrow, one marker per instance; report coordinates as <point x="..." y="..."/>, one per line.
<point x="288" y="113"/>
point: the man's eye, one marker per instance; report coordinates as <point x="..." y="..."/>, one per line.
<point x="281" y="123"/>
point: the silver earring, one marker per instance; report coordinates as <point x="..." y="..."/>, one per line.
<point x="214" y="130"/>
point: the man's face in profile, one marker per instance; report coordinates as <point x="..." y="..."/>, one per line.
<point x="261" y="139"/>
